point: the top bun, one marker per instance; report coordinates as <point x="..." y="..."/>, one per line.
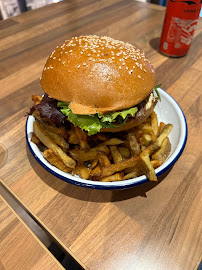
<point x="98" y="74"/>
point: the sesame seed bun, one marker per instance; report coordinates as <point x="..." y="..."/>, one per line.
<point x="98" y="74"/>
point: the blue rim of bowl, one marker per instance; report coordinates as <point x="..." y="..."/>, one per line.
<point x="114" y="185"/>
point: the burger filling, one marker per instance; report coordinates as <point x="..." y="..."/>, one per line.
<point x="58" y="112"/>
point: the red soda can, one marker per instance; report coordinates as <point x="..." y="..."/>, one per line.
<point x="179" y="25"/>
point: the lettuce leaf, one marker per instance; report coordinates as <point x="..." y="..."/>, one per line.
<point x="65" y="107"/>
<point x="87" y="122"/>
<point x="93" y="123"/>
<point x="111" y="117"/>
<point x="156" y="90"/>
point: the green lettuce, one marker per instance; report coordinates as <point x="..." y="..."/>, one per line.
<point x="156" y="90"/>
<point x="112" y="117"/>
<point x="93" y="123"/>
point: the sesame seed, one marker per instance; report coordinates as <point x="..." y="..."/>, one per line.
<point x="78" y="66"/>
<point x="139" y="76"/>
<point x="97" y="44"/>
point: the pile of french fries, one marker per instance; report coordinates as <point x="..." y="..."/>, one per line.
<point x="104" y="157"/>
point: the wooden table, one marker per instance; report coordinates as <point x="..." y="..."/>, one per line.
<point x="19" y="248"/>
<point x="153" y="226"/>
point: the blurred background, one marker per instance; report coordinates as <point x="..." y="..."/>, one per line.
<point x="10" y="8"/>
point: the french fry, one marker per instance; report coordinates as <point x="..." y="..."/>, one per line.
<point x="161" y="126"/>
<point x="133" y="144"/>
<point x="164" y="133"/>
<point x="82" y="171"/>
<point x="103" y="137"/>
<point x="164" y="151"/>
<point x="138" y="168"/>
<point x="82" y="155"/>
<point x="82" y="138"/>
<point x="111" y="178"/>
<point x="145" y="128"/>
<point x="117" y="167"/>
<point x="95" y="172"/>
<point x="154" y="123"/>
<point x="103" y="159"/>
<point x="49" y="143"/>
<point x="131" y="175"/>
<point x="73" y="139"/>
<point x="94" y="163"/>
<point x="37" y="116"/>
<point x="59" y="131"/>
<point x="37" y="99"/>
<point x="146" y="139"/>
<point x="59" y="140"/>
<point x="116" y="155"/>
<point x="153" y="136"/>
<point x="124" y="151"/>
<point x="35" y="140"/>
<point x="138" y="133"/>
<point x="55" y="161"/>
<point x="150" y="173"/>
<point x="112" y="141"/>
<point x="156" y="163"/>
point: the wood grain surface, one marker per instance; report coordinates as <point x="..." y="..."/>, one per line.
<point x="153" y="226"/>
<point x="19" y="249"/>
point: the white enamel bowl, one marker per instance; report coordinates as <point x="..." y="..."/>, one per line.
<point x="168" y="111"/>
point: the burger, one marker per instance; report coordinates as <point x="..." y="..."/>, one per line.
<point x="96" y="118"/>
<point x="98" y="84"/>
